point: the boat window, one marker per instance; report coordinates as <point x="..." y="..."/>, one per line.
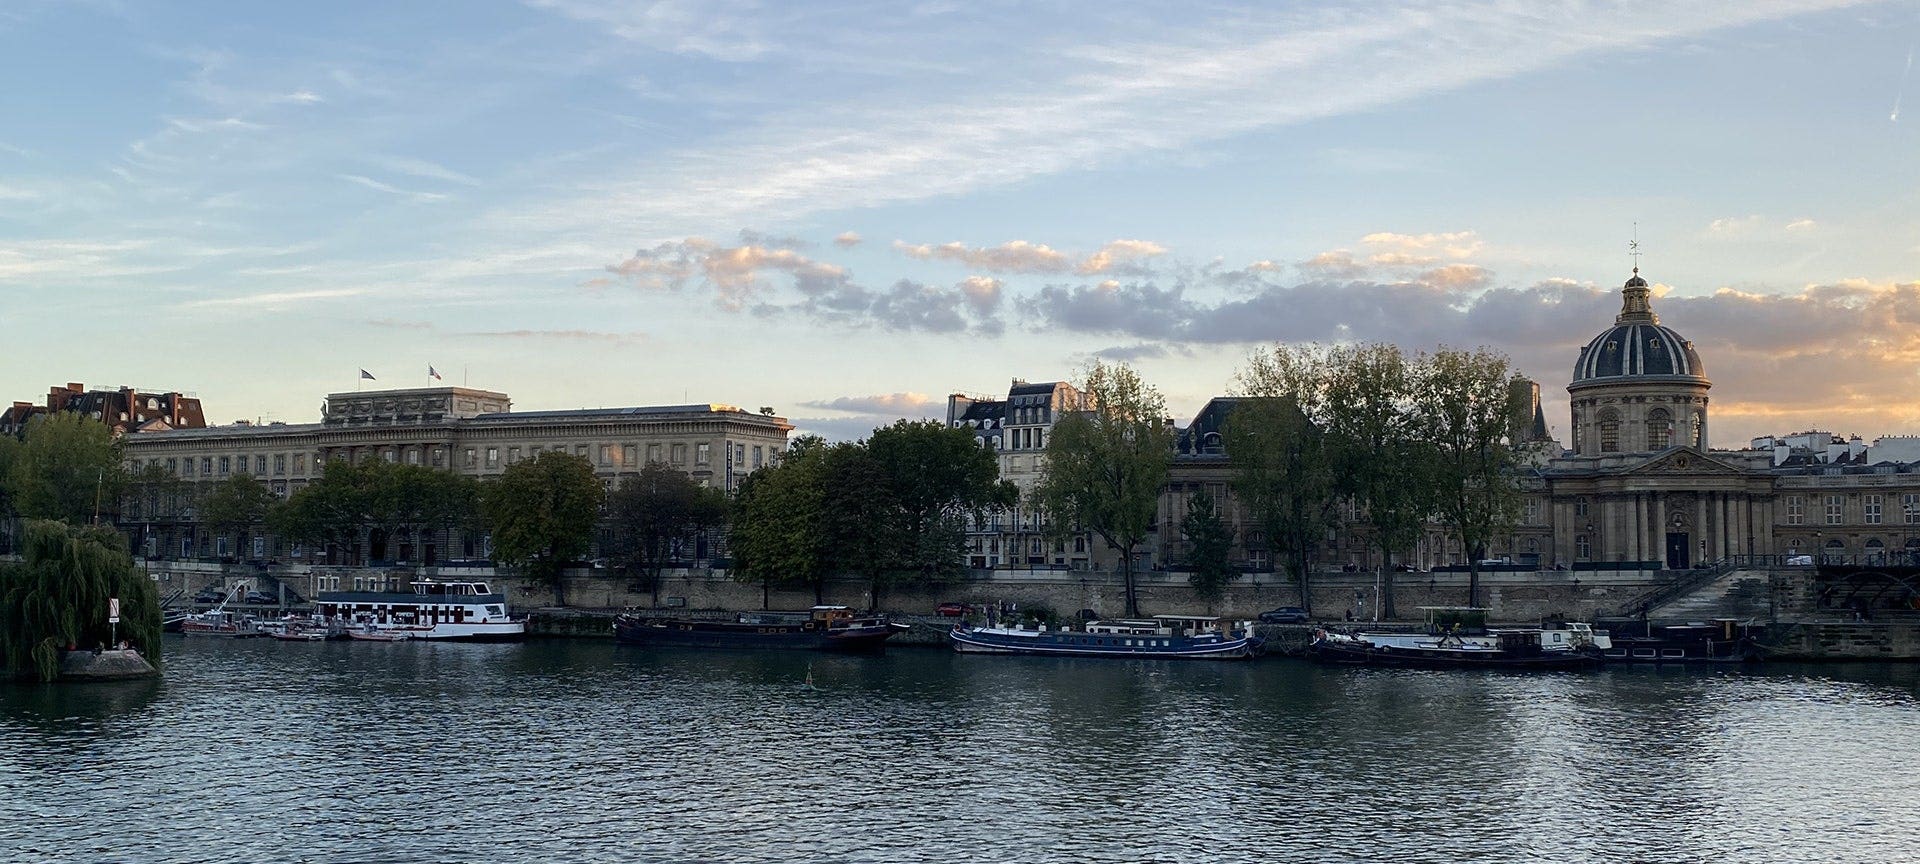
<point x="1643" y="652"/>
<point x="1673" y="652"/>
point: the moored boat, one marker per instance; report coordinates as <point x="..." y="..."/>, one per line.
<point x="220" y="622"/>
<point x="465" y="611"/>
<point x="1722" y="640"/>
<point x="1458" y="638"/>
<point x="1170" y="637"/>
<point x="822" y="628"/>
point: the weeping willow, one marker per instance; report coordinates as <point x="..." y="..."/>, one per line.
<point x="57" y="597"/>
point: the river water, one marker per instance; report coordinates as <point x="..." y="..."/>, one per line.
<point x="587" y="751"/>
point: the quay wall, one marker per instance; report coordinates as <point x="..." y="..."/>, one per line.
<point x="1843" y="640"/>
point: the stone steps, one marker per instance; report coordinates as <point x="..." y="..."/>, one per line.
<point x="1739" y="594"/>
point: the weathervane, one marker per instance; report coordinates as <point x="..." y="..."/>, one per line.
<point x="1633" y="248"/>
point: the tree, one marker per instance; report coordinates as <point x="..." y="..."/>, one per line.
<point x="236" y="504"/>
<point x="68" y="467"/>
<point x="542" y="511"/>
<point x="330" y="512"/>
<point x="1468" y="408"/>
<point x="57" y="596"/>
<point x="415" y="501"/>
<point x="1209" y="542"/>
<point x="864" y="526"/>
<point x="1383" y="466"/>
<point x="1283" y="461"/>
<point x="938" y="476"/>
<point x="654" y="515"/>
<point x="152" y="495"/>
<point x="1106" y="465"/>
<point x="778" y="528"/>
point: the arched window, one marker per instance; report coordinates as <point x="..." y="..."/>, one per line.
<point x="1609" y="430"/>
<point x="1659" y="429"/>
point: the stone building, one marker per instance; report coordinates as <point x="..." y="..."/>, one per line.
<point x="470" y="431"/>
<point x="1639" y="489"/>
<point x="1016" y="429"/>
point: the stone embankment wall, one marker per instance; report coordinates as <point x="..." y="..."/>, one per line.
<point x="1843" y="640"/>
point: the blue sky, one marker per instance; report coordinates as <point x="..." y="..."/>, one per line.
<point x="847" y="210"/>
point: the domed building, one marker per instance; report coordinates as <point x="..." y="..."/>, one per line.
<point x="1638" y="387"/>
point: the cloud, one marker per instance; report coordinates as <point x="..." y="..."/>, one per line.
<point x="594" y="336"/>
<point x="1021" y="256"/>
<point x="847" y="240"/>
<point x="892" y="404"/>
<point x="277" y="299"/>
<point x="423" y="168"/>
<point x="301" y="97"/>
<point x="733" y="272"/>
<point x="1802" y="225"/>
<point x="378" y="186"/>
<point x="982" y="292"/>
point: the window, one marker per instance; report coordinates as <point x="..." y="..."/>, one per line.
<point x="1796" y="510"/>
<point x="260" y="464"/>
<point x="1910" y="507"/>
<point x="300" y="463"/>
<point x="679" y="454"/>
<point x="1833" y="509"/>
<point x="653" y="452"/>
<point x="1579" y="506"/>
<point x="1872" y="505"/>
<point x="279" y="463"/>
<point x="606" y="454"/>
<point x="226" y="465"/>
<point x="206" y="466"/>
<point x="439" y="457"/>
<point x="756" y="455"/>
<point x="1582" y="547"/>
<point x="174" y="468"/>
<point x="739" y="454"/>
<point x="1609" y="431"/>
<point x="1659" y="429"/>
<point x="1531" y="516"/>
<point x="413" y="456"/>
<point x="629" y="455"/>
<point x="470" y="460"/>
<point x="513" y="455"/>
<point x="579" y="450"/>
<point x="702" y="453"/>
<point x="493" y="457"/>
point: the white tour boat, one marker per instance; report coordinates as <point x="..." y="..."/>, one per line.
<point x="468" y="611"/>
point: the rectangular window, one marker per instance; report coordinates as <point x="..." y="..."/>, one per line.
<point x="1579" y="506"/>
<point x="513" y="455"/>
<point x="413" y="456"/>
<point x="702" y="453"/>
<point x="173" y="466"/>
<point x="300" y="463"/>
<point x="739" y="454"/>
<point x="493" y="457"/>
<point x="580" y="451"/>
<point x="260" y="465"/>
<point x="606" y="454"/>
<point x="1910" y="508"/>
<point x="653" y="453"/>
<point x="280" y="464"/>
<point x="1796" y="510"/>
<point x="629" y="455"/>
<point x="756" y="456"/>
<point x="471" y="461"/>
<point x="439" y="457"/>
<point x="679" y="454"/>
<point x="1833" y="509"/>
<point x="1532" y="515"/>
<point x="226" y="465"/>
<point x="1873" y="509"/>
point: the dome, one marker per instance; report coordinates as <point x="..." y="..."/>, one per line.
<point x="1637" y="346"/>
<point x="1636" y="350"/>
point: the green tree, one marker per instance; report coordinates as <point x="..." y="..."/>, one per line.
<point x="938" y="476"/>
<point x="57" y="596"/>
<point x="236" y="505"/>
<point x="1283" y="460"/>
<point x="1468" y="407"/>
<point x="778" y="534"/>
<point x="1208" y="543"/>
<point x="330" y="512"/>
<point x="863" y="524"/>
<point x="68" y="467"/>
<point x="415" y="501"/>
<point x="1382" y="464"/>
<point x="1106" y="465"/>
<point x="654" y="515"/>
<point x="543" y="511"/>
<point x="153" y="495"/>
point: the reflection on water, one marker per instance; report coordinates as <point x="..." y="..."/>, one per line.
<point x="589" y="751"/>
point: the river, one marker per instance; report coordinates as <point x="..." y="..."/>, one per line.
<point x="586" y="751"/>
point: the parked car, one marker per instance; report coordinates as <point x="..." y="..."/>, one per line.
<point x="953" y="610"/>
<point x="1284" y="615"/>
<point x="1800" y="561"/>
<point x="209" y="595"/>
<point x="261" y="597"/>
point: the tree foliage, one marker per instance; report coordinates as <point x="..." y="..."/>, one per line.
<point x="1383" y="462"/>
<point x="543" y="511"/>
<point x="236" y="504"/>
<point x="654" y="515"/>
<point x="1468" y="407"/>
<point x="777" y="535"/>
<point x="1106" y="465"/>
<point x="351" y="498"/>
<point x="67" y="467"/>
<point x="1209" y="542"/>
<point x="935" y="477"/>
<point x="57" y="596"/>
<point x="1285" y="464"/>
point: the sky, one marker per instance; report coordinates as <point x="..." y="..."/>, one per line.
<point x="846" y="211"/>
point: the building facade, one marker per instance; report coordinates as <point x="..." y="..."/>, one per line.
<point x="1016" y="429"/>
<point x="469" y="431"/>
<point x="123" y="409"/>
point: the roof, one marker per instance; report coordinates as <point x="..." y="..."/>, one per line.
<point x="1638" y="350"/>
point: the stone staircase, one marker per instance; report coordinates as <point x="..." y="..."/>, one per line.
<point x="1738" y="594"/>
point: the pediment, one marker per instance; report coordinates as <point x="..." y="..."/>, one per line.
<point x="1684" y="461"/>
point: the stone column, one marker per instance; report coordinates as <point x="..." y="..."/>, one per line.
<point x="1696" y="539"/>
